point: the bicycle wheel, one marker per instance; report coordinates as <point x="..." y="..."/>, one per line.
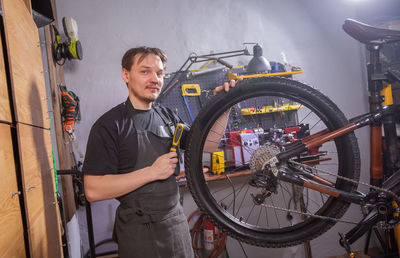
<point x="277" y="111"/>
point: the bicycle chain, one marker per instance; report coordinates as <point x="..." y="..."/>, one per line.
<point x="346" y="179"/>
<point x="307" y="214"/>
<point x="340" y="177"/>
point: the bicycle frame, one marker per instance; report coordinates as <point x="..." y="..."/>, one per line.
<point x="379" y="115"/>
<point x="387" y="186"/>
<point x="323" y="185"/>
<point x="391" y="187"/>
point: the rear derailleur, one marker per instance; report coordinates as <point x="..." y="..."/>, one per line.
<point x="265" y="180"/>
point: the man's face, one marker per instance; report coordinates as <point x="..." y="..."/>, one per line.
<point x="145" y="79"/>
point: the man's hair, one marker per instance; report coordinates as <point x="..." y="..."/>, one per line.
<point x="129" y="57"/>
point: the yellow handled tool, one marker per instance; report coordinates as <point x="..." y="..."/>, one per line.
<point x="186" y="87"/>
<point x="177" y="137"/>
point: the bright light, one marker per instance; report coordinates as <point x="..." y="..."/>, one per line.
<point x="357" y="2"/>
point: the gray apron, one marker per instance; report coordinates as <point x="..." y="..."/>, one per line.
<point x="149" y="221"/>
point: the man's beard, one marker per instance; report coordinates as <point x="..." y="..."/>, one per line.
<point x="145" y="98"/>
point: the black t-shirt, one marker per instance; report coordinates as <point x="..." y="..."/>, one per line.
<point x="112" y="145"/>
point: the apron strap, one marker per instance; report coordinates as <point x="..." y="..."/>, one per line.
<point x="159" y="110"/>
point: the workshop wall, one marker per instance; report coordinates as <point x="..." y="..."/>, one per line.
<point x="308" y="32"/>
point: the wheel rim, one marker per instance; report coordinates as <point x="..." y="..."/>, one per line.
<point x="231" y="202"/>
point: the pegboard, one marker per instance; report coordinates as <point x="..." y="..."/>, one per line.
<point x="208" y="81"/>
<point x="175" y="101"/>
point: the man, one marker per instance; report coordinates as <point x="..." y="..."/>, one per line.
<point x="128" y="158"/>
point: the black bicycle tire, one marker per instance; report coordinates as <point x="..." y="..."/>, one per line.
<point x="347" y="146"/>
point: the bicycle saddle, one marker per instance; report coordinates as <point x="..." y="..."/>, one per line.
<point x="368" y="34"/>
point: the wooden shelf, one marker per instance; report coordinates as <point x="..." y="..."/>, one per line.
<point x="210" y="177"/>
<point x="223" y="176"/>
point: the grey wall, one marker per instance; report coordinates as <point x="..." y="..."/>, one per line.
<point x="308" y="32"/>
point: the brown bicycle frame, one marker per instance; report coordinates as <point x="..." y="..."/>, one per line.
<point x="323" y="185"/>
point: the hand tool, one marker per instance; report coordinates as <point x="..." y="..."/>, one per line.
<point x="177" y="137"/>
<point x="175" y="143"/>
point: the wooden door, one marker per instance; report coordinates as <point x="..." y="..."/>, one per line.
<point x="12" y="237"/>
<point x="12" y="234"/>
<point x="5" y="114"/>
<point x="25" y="64"/>
<point x="33" y="137"/>
<point x="39" y="191"/>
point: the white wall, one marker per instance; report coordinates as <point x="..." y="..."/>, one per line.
<point x="309" y="32"/>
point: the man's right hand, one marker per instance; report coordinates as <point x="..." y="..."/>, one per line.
<point x="164" y="166"/>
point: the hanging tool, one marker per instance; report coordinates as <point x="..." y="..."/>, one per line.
<point x="235" y="121"/>
<point x="72" y="48"/>
<point x="71" y="110"/>
<point x="187" y="90"/>
<point x="185" y="87"/>
<point x="188" y="108"/>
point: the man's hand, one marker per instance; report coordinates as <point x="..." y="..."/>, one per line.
<point x="164" y="166"/>
<point x="226" y="86"/>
